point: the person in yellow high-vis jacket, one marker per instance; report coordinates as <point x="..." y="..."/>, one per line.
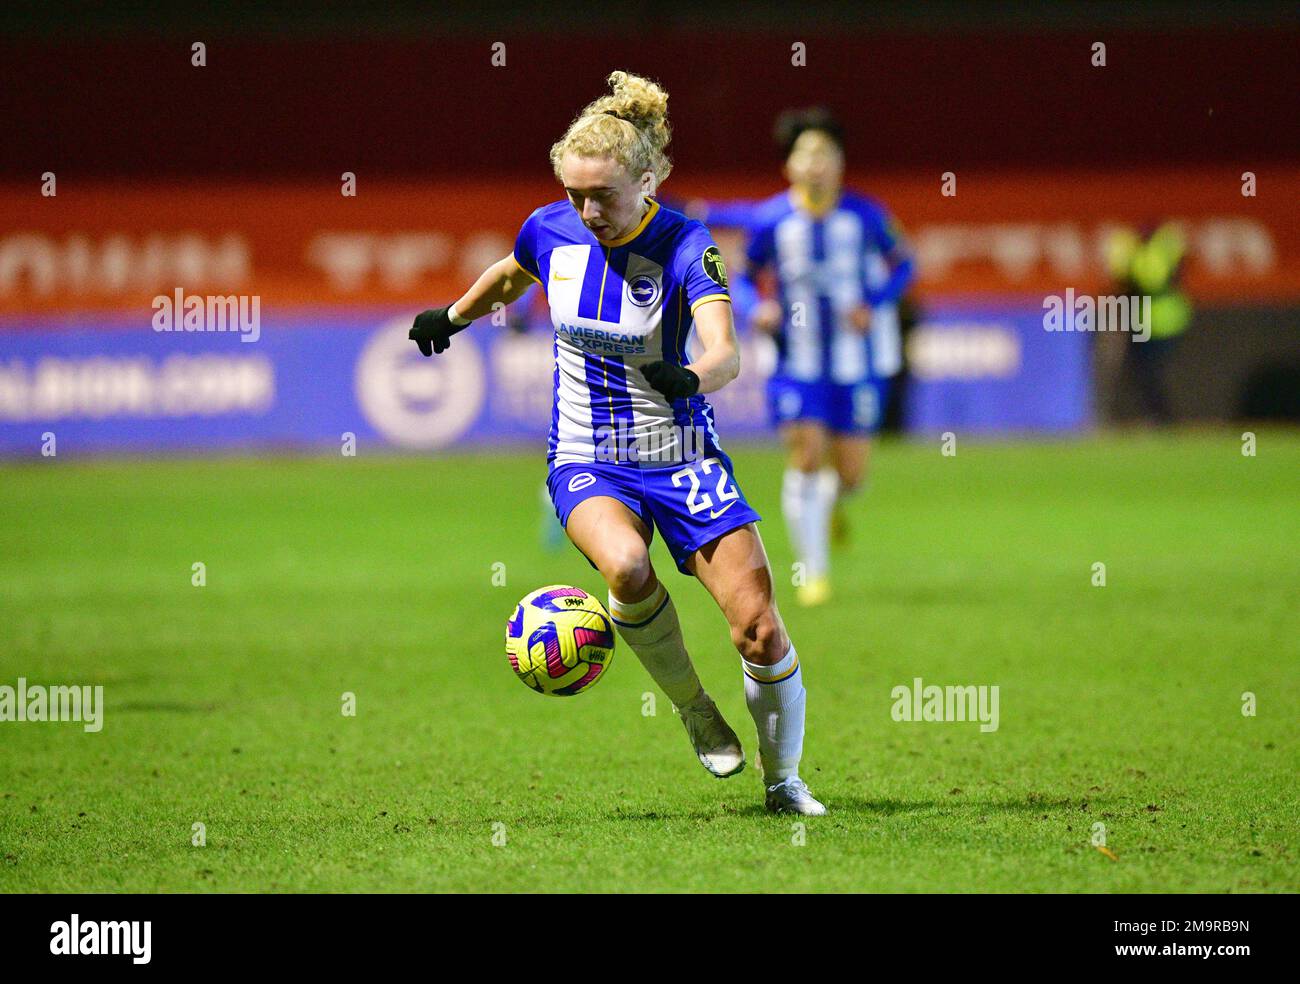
<point x="1150" y="264"/>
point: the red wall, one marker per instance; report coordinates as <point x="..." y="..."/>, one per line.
<point x="436" y="107"/>
<point x="110" y="245"/>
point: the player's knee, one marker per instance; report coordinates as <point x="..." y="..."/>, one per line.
<point x="626" y="570"/>
<point x="759" y="636"/>
<point x="806" y="459"/>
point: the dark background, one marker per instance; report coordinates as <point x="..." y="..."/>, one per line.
<point x="105" y="93"/>
<point x="398" y="89"/>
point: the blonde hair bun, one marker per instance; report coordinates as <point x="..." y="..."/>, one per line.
<point x="630" y="125"/>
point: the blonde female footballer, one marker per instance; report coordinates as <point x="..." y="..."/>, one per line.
<point x="632" y="444"/>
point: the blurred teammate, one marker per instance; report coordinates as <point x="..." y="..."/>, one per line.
<point x="627" y="281"/>
<point x="839" y="265"/>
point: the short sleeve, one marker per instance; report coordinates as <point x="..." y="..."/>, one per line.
<point x="525" y="251"/>
<point x="698" y="267"/>
<point x="729" y="214"/>
<point x="761" y="247"/>
<point x="890" y="239"/>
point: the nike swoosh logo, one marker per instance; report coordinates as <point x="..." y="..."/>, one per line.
<point x="556" y="276"/>
<point x="715" y="515"/>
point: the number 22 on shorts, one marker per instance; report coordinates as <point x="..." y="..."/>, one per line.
<point x="696" y="502"/>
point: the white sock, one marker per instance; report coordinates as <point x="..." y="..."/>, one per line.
<point x="775" y="697"/>
<point x="651" y="628"/>
<point x="792" y="508"/>
<point x="828" y="488"/>
<point x="806" y="501"/>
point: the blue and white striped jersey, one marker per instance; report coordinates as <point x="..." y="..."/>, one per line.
<point x="826" y="265"/>
<point x="616" y="307"/>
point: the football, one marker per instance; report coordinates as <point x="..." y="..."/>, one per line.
<point x="560" y="640"/>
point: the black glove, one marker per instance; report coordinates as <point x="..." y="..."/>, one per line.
<point x="674" y="382"/>
<point x="433" y="330"/>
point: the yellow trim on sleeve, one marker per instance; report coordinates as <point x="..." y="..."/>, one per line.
<point x="524" y="268"/>
<point x="710" y="297"/>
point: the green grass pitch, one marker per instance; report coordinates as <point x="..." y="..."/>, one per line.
<point x="1119" y="705"/>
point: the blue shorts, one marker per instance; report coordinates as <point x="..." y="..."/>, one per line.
<point x="691" y="505"/>
<point x="844" y="408"/>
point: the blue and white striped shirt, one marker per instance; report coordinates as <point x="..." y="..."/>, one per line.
<point x="826" y="265"/>
<point x="615" y="307"/>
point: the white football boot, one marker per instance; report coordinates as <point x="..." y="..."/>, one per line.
<point x="793" y="796"/>
<point x="715" y="743"/>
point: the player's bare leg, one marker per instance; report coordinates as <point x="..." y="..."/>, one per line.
<point x="807" y="497"/>
<point x="735" y="570"/>
<point x="850" y="456"/>
<point x="617" y="542"/>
